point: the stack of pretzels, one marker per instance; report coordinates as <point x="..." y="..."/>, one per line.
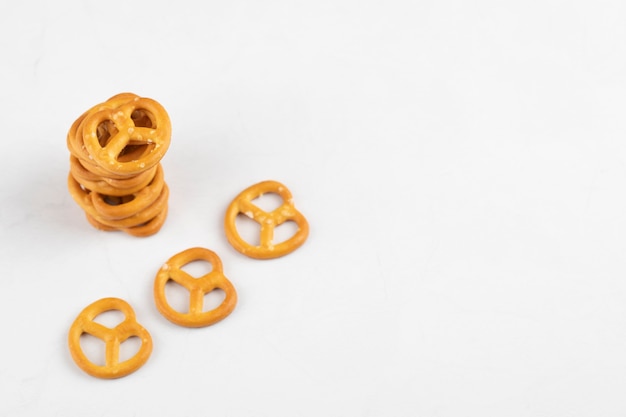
<point x="115" y="171"/>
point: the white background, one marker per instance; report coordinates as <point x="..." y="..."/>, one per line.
<point x="462" y="165"/>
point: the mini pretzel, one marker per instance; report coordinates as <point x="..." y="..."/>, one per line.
<point x="75" y="135"/>
<point x="197" y="287"/>
<point x="242" y="204"/>
<point x="132" y="203"/>
<point x="110" y="186"/>
<point x="147" y="229"/>
<point x="112" y="337"/>
<point x="129" y="138"/>
<point x="113" y="216"/>
<point x="150" y="227"/>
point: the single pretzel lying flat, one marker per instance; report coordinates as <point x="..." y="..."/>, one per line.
<point x="112" y="338"/>
<point x="129" y="138"/>
<point x="197" y="288"/>
<point x="266" y="249"/>
<point x="75" y="142"/>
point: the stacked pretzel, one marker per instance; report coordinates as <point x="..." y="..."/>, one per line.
<point x="115" y="172"/>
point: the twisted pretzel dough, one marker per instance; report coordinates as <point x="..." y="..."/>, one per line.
<point x="242" y="204"/>
<point x="115" y="175"/>
<point x="197" y="288"/>
<point x="75" y="141"/>
<point x="112" y="338"/>
<point x="136" y="135"/>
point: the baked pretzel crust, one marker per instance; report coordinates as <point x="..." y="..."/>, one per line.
<point x="112" y="337"/>
<point x="197" y="287"/>
<point x="266" y="249"/>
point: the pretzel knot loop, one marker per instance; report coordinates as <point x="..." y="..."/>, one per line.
<point x="112" y="337"/>
<point x="197" y="287"/>
<point x="266" y="249"/>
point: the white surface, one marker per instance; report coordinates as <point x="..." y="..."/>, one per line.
<point x="462" y="166"/>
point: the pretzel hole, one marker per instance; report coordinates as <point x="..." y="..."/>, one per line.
<point x="113" y="200"/>
<point x="133" y="152"/>
<point x="129" y="348"/>
<point x="248" y="229"/>
<point x="198" y="268"/>
<point x="105" y="131"/>
<point x="213" y="299"/>
<point x="268" y="202"/>
<point x="177" y="296"/>
<point x="93" y="348"/>
<point x="143" y="118"/>
<point x="110" y="318"/>
<point x="285" y="231"/>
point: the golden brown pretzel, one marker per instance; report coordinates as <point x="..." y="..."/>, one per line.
<point x="150" y="227"/>
<point x="112" y="337"/>
<point x="242" y="204"/>
<point x="107" y="185"/>
<point x="197" y="288"/>
<point x="127" y="205"/>
<point x="147" y="229"/>
<point x="75" y="142"/>
<point x="129" y="138"/>
<point x="111" y="221"/>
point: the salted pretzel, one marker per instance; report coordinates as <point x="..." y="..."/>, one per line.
<point x="146" y="229"/>
<point x="128" y="138"/>
<point x="110" y="186"/>
<point x="266" y="249"/>
<point x="75" y="142"/>
<point x="122" y="215"/>
<point x="120" y="207"/>
<point x="197" y="287"/>
<point x="112" y="337"/>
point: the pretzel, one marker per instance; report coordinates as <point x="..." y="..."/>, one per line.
<point x="120" y="207"/>
<point x="147" y="229"/>
<point x="114" y="217"/>
<point x="112" y="337"/>
<point x="242" y="204"/>
<point x="110" y="186"/>
<point x="75" y="141"/>
<point x="150" y="227"/>
<point x="128" y="138"/>
<point x="197" y="287"/>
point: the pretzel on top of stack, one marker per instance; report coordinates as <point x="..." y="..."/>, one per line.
<point x="115" y="171"/>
